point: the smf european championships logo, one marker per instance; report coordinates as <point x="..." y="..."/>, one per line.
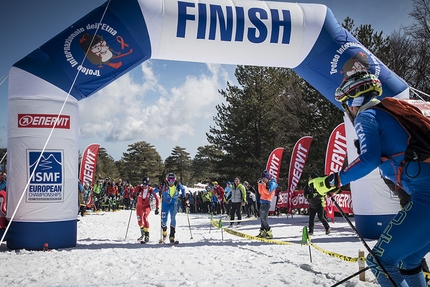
<point x="46" y="176"/>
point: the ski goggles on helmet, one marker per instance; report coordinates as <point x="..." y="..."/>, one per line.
<point x="356" y="85"/>
<point x="171" y="180"/>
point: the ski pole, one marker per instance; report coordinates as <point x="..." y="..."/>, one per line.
<point x="189" y="225"/>
<point x="131" y="211"/>
<point x="350" y="276"/>
<point x="161" y="219"/>
<point x="361" y="239"/>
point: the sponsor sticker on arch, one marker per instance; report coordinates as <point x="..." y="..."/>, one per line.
<point x="46" y="175"/>
<point x="46" y="121"/>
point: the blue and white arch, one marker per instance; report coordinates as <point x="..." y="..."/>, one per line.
<point x="119" y="36"/>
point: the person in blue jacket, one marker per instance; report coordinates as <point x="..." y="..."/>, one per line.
<point x="405" y="241"/>
<point x="170" y="192"/>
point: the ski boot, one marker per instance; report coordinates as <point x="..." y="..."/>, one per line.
<point x="172" y="235"/>
<point x="142" y="233"/>
<point x="262" y="233"/>
<point x="146" y="234"/>
<point x="164" y="234"/>
<point x="269" y="234"/>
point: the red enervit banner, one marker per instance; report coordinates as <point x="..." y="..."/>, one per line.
<point x="334" y="159"/>
<point x="274" y="161"/>
<point x="344" y="199"/>
<point x="297" y="164"/>
<point x="89" y="163"/>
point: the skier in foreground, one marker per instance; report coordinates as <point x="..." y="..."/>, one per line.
<point x="170" y="193"/>
<point x="405" y="241"/>
<point x="143" y="207"/>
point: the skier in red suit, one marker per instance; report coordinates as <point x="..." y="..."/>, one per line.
<point x="143" y="208"/>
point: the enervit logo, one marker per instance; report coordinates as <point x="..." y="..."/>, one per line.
<point x="43" y="121"/>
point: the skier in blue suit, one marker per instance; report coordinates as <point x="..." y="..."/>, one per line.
<point x="383" y="141"/>
<point x="170" y="193"/>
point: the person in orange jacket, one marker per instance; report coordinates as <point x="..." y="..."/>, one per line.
<point x="266" y="188"/>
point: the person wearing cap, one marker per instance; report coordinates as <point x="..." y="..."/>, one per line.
<point x="219" y="193"/>
<point x="383" y="141"/>
<point x="237" y="200"/>
<point x="2" y="181"/>
<point x="81" y="202"/>
<point x="112" y="192"/>
<point x="88" y="195"/>
<point x="266" y="188"/>
<point x="170" y="193"/>
<point x="316" y="207"/>
<point x="227" y="197"/>
<point x="143" y="194"/>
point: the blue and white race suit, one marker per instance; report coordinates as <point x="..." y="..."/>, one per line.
<point x="406" y="240"/>
<point x="170" y="196"/>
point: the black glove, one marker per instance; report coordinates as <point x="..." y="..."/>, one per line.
<point x="157" y="211"/>
<point x="357" y="146"/>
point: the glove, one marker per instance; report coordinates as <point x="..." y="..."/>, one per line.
<point x="324" y="184"/>
<point x="357" y="146"/>
<point x="157" y="211"/>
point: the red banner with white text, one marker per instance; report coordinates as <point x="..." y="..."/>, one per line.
<point x="89" y="163"/>
<point x="297" y="164"/>
<point x="274" y="161"/>
<point x="298" y="201"/>
<point x="334" y="160"/>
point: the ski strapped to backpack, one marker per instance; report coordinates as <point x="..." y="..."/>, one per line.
<point x="416" y="125"/>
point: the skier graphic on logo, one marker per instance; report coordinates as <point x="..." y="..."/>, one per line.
<point x="358" y="63"/>
<point x="99" y="53"/>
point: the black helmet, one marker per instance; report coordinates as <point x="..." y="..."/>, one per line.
<point x="145" y="180"/>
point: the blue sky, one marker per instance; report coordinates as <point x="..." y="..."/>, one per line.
<point x="165" y="103"/>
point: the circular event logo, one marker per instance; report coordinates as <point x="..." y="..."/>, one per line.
<point x="101" y="45"/>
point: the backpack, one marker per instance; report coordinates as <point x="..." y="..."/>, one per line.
<point x="416" y="125"/>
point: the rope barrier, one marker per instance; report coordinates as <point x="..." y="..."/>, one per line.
<point x="279" y="242"/>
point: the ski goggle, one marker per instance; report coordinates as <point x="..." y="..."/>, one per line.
<point x="351" y="102"/>
<point x="171" y="180"/>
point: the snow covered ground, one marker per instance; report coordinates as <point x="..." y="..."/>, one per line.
<point x="106" y="256"/>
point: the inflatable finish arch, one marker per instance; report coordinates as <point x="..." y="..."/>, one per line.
<point x="119" y="36"/>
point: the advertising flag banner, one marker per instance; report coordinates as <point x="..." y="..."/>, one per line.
<point x="274" y="161"/>
<point x="273" y="166"/>
<point x="334" y="160"/>
<point x="297" y="164"/>
<point x="89" y="163"/>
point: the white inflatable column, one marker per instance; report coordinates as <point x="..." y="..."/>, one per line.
<point x="48" y="210"/>
<point x="373" y="203"/>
